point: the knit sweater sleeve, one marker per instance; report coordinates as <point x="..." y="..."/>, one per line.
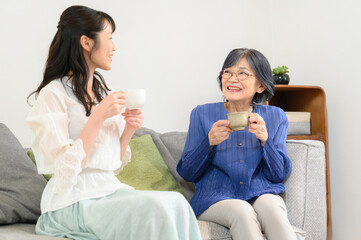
<point x="197" y="154"/>
<point x="277" y="165"/>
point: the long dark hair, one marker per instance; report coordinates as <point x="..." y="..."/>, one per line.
<point x="260" y="66"/>
<point x="66" y="55"/>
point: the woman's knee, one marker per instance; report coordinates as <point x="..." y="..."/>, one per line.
<point x="230" y="212"/>
<point x="242" y="208"/>
<point x="269" y="205"/>
<point x="163" y="201"/>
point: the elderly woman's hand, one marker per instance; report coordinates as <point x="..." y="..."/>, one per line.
<point x="258" y="127"/>
<point x="219" y="132"/>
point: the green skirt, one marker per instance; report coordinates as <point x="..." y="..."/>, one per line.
<point x="125" y="214"/>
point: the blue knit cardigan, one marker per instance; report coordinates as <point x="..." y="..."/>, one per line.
<point x="239" y="167"/>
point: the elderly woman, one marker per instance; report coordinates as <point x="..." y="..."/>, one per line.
<point x="238" y="174"/>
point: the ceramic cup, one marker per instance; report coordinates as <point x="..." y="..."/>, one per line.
<point x="134" y="98"/>
<point x="238" y="120"/>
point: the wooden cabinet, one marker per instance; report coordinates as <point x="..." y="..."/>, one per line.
<point x="307" y="99"/>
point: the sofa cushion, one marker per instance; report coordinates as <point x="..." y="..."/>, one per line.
<point x="147" y="170"/>
<point x="170" y="146"/>
<point x="21" y="186"/>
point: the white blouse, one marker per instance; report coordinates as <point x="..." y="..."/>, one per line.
<point x="57" y="120"/>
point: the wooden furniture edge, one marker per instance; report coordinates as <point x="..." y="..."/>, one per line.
<point x="324" y="139"/>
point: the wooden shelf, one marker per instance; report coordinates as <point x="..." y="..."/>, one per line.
<point x="307" y="99"/>
<point x="308" y="137"/>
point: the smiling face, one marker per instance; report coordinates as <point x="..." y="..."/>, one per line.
<point x="102" y="53"/>
<point x="241" y="91"/>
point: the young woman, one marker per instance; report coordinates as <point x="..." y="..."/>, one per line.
<point x="82" y="140"/>
<point x="238" y="174"/>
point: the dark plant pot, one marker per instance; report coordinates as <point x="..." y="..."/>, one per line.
<point x="281" y="79"/>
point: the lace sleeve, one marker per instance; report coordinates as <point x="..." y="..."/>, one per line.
<point x="54" y="151"/>
<point x="124" y="161"/>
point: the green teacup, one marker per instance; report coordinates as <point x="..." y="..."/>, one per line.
<point x="238" y="120"/>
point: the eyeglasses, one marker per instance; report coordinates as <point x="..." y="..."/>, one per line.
<point x="226" y="74"/>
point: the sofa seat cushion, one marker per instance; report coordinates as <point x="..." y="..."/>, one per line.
<point x="213" y="231"/>
<point x="21" y="231"/>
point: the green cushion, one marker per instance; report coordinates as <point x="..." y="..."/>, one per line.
<point x="32" y="157"/>
<point x="147" y="170"/>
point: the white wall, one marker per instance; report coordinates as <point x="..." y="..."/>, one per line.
<point x="175" y="49"/>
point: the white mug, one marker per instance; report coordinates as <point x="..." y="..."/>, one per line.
<point x="134" y="98"/>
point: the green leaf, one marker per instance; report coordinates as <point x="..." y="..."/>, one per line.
<point x="280" y="70"/>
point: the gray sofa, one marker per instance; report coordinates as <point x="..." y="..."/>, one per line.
<point x="305" y="194"/>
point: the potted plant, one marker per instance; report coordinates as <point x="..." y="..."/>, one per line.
<point x="280" y="75"/>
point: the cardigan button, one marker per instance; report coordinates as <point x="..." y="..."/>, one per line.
<point x="241" y="161"/>
<point x="239" y="144"/>
<point x="241" y="183"/>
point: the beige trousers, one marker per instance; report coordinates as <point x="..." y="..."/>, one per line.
<point x="268" y="215"/>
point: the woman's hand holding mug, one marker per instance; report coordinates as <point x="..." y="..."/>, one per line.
<point x="219" y="132"/>
<point x="111" y="105"/>
<point x="134" y="118"/>
<point x="257" y="126"/>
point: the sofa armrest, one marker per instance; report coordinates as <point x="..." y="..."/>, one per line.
<point x="305" y="194"/>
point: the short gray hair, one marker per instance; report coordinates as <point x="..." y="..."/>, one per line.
<point x="259" y="65"/>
